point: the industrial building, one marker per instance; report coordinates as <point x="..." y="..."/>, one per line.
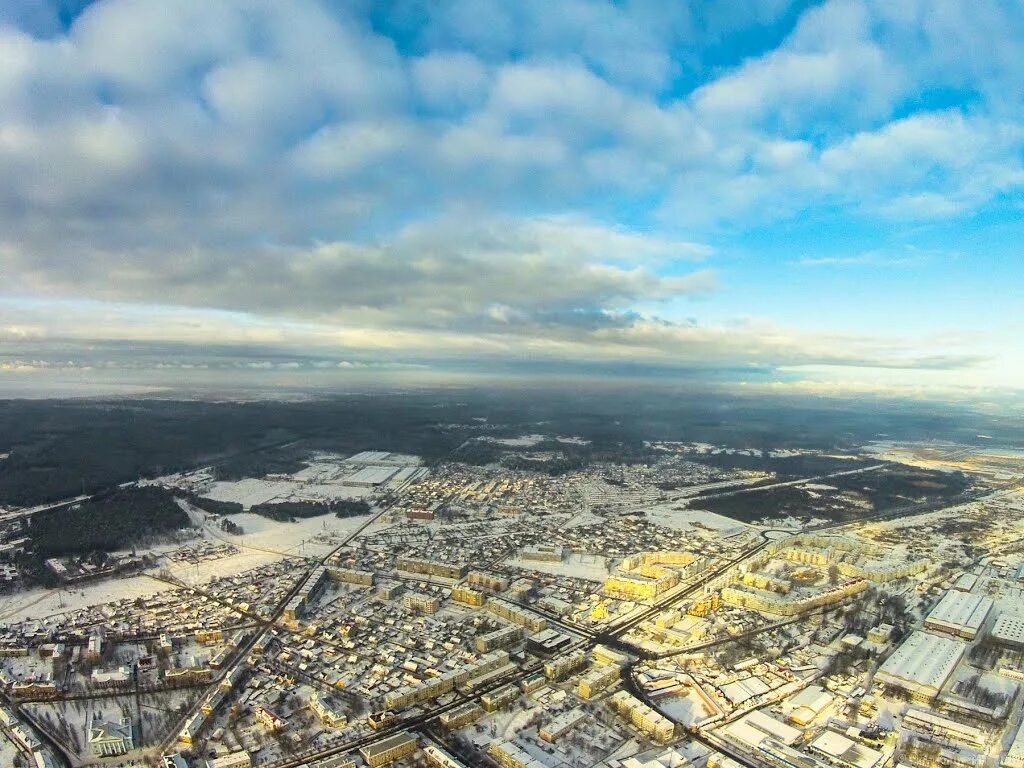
<point x="1008" y="630"/>
<point x="922" y="664"/>
<point x="371" y="477"/>
<point x="808" y="704"/>
<point x="943" y="728"/>
<point x="1015" y="754"/>
<point x="960" y="614"/>
<point x="840" y="750"/>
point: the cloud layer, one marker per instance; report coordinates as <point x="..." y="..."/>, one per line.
<point x="474" y="179"/>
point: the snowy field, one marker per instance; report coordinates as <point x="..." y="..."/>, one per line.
<point x="588" y="567"/>
<point x="325" y="477"/>
<point x="252" y="491"/>
<point x="290" y="539"/>
<point x="263" y="541"/>
<point x="8" y="751"/>
<point x="671" y="516"/>
<point x="38" y="603"/>
<point x="688" y="709"/>
<point x="266" y="541"/>
<point x="249" y="491"/>
<point x="523" y="441"/>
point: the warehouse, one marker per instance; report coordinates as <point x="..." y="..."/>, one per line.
<point x="1009" y="630"/>
<point x="840" y="750"/>
<point x="944" y="728"/>
<point x="960" y="614"/>
<point x="755" y="728"/>
<point x="1015" y="754"/>
<point x="370" y="477"/>
<point x="922" y="665"/>
<point x="806" y="706"/>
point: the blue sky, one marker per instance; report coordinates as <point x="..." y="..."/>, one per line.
<point x="812" y="197"/>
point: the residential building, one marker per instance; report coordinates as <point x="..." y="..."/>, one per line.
<point x="388" y="750"/>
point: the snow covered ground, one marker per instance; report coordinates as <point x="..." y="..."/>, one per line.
<point x="7" y="750"/>
<point x="325" y="477"/>
<point x="252" y="491"/>
<point x="263" y="541"/>
<point x="38" y="603"/>
<point x="589" y="567"/>
<point x="677" y="518"/>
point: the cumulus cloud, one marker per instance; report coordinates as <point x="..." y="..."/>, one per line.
<point x="451" y="272"/>
<point x="496" y="178"/>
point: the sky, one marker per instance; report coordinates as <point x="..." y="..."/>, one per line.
<point x="820" y="198"/>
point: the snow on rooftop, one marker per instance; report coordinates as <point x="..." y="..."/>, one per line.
<point x="371" y="475"/>
<point x="840" y="748"/>
<point x="961" y="610"/>
<point x="1015" y="755"/>
<point x="924" y="660"/>
<point x="1009" y="628"/>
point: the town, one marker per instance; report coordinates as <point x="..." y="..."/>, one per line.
<point x="462" y="615"/>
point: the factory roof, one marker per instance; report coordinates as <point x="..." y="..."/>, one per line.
<point x="847" y="751"/>
<point x="371" y="475"/>
<point x="924" y="660"/>
<point x="961" y="609"/>
<point x="1009" y="627"/>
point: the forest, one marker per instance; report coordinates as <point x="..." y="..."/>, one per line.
<point x="111" y="521"/>
<point x="61" y="449"/>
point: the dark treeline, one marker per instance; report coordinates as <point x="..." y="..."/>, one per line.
<point x="58" y="449"/>
<point x="891" y="487"/>
<point x="116" y="520"/>
<point x="215" y="507"/>
<point x="290" y="510"/>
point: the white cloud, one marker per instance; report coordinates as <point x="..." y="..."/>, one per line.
<point x="450" y="81"/>
<point x="294" y="161"/>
